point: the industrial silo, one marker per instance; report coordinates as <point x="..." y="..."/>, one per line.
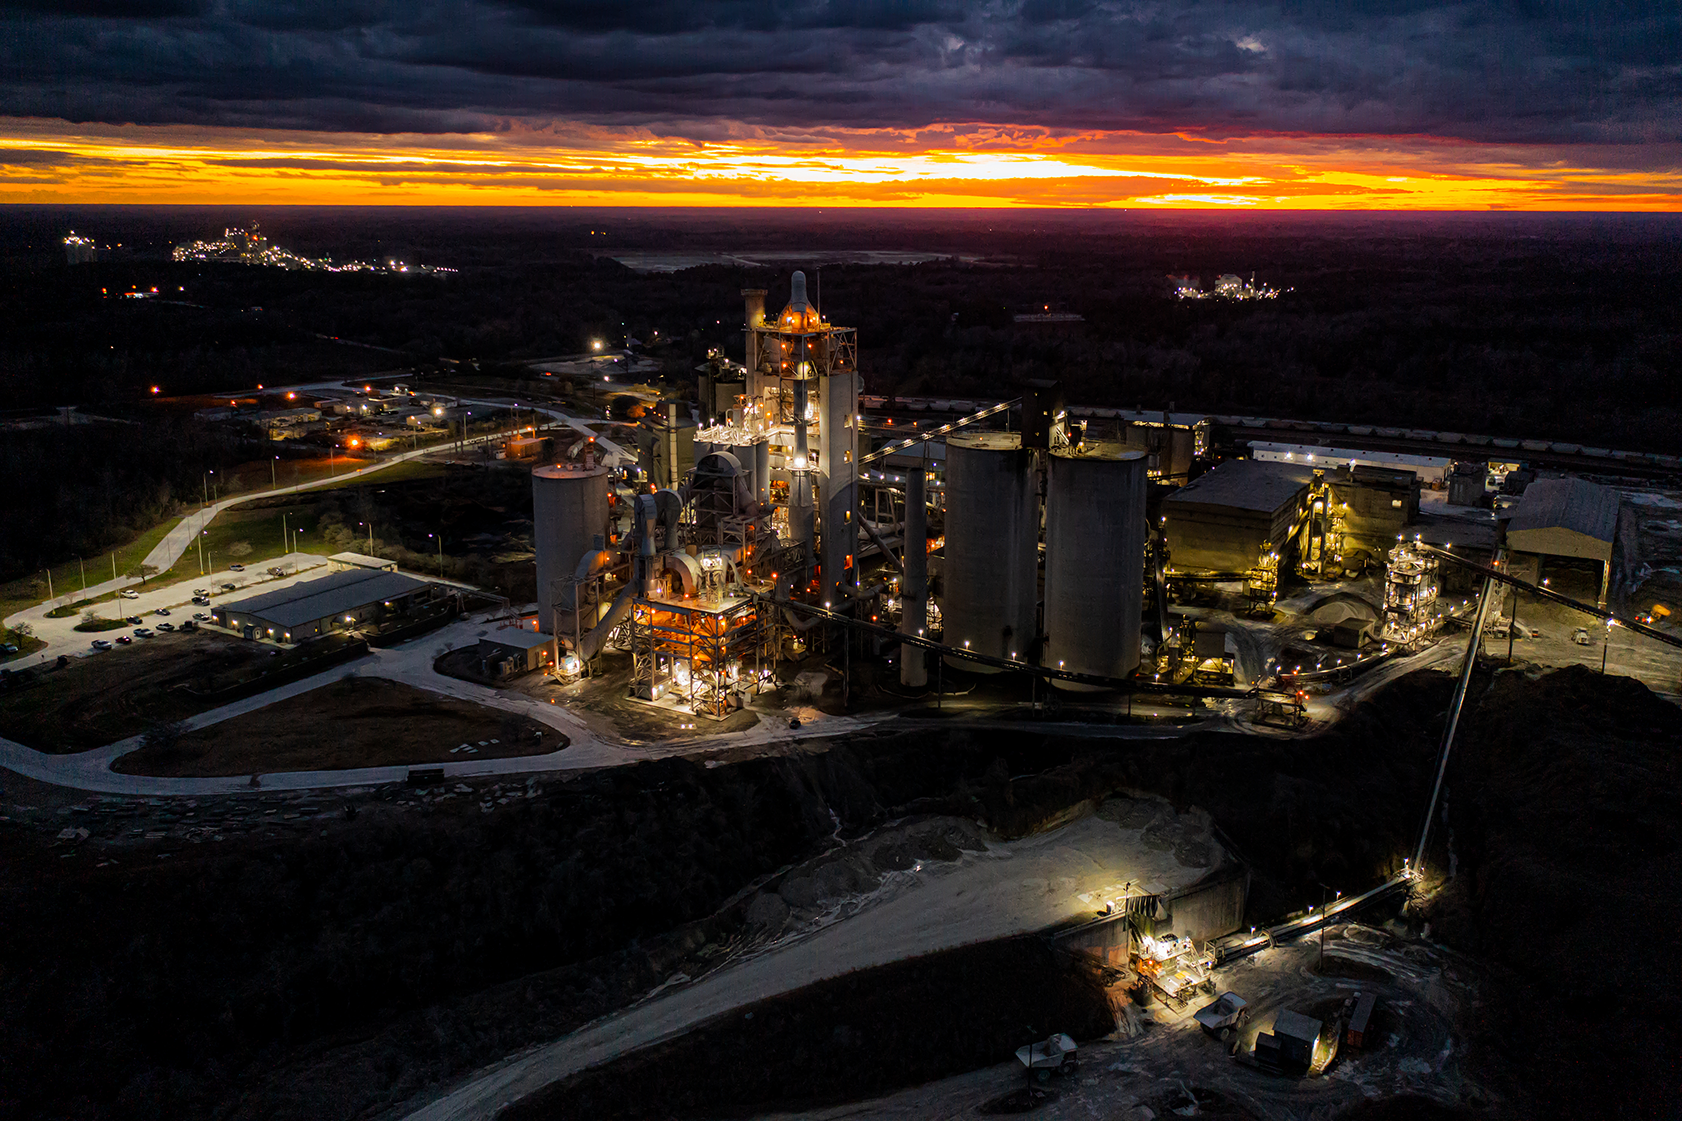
<point x="569" y="511"/>
<point x="990" y="574"/>
<point x="1094" y="560"/>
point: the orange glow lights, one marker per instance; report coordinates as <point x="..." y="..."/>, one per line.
<point x="951" y="165"/>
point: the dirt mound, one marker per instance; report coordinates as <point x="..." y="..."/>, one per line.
<point x="1562" y="821"/>
<point x="852" y="1038"/>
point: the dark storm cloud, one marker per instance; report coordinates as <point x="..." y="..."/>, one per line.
<point x="1482" y="70"/>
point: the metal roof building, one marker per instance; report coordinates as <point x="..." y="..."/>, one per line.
<point x="1567" y="518"/>
<point x="317" y="607"/>
<point x="361" y="560"/>
<point x="1219" y="521"/>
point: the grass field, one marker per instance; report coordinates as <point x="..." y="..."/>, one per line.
<point x="357" y="722"/>
<point x="96" y="700"/>
<point x="259" y="528"/>
<point x="67" y="577"/>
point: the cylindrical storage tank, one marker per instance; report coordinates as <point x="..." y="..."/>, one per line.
<point x="569" y="508"/>
<point x="990" y="573"/>
<point x="1094" y="561"/>
<point x="762" y="472"/>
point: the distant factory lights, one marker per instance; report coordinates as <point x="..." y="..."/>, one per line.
<point x="250" y="247"/>
<point x="1229" y="287"/>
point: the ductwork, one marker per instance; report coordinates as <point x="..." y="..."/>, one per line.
<point x="668" y="505"/>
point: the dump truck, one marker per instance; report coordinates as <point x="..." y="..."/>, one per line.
<point x="1053" y="1055"/>
<point x="1223" y="1018"/>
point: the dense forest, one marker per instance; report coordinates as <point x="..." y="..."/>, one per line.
<point x="1549" y="327"/>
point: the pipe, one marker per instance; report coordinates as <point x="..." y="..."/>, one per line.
<point x="1159" y="553"/>
<point x="1454" y="711"/>
<point x="762" y="472"/>
<point x="591" y="644"/>
<point x="870" y="532"/>
<point x="914" y="588"/>
<point x="668" y="506"/>
<point x="647" y="514"/>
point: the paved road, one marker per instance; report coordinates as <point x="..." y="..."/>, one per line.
<point x="593" y="742"/>
<point x="175" y="543"/>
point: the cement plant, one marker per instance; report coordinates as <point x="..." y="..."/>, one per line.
<point x="818" y="749"/>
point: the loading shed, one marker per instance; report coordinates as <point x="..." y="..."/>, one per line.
<point x="1219" y="521"/>
<point x="1567" y="518"/>
<point x="342" y="561"/>
<point x="512" y="651"/>
<point x="339" y="602"/>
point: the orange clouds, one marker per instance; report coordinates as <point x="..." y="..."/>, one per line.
<point x="950" y="166"/>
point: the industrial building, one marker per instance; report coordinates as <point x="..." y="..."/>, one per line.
<point x="762" y="525"/>
<point x="514" y="650"/>
<point x="342" y="561"/>
<point x="339" y="602"/>
<point x="1567" y="518"/>
<point x="1229" y="518"/>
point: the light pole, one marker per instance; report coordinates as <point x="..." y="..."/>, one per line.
<point x="274" y="480"/>
<point x="1604" y="646"/>
<point x="285" y="540"/>
<point x="84" y="571"/>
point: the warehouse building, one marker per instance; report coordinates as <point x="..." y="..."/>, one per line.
<point x="1570" y="518"/>
<point x="340" y="602"/>
<point x="1220" y="521"/>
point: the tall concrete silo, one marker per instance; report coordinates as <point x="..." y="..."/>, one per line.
<point x="569" y="510"/>
<point x="991" y="570"/>
<point x="1094" y="560"/>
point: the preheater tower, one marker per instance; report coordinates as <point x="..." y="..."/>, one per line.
<point x="1094" y="560"/>
<point x="991" y="570"/>
<point x="569" y="511"/>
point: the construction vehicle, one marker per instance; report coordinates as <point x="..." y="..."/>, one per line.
<point x="1223" y="1018"/>
<point x="1053" y="1055"/>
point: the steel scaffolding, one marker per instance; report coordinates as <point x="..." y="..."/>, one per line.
<point x="1410" y="593"/>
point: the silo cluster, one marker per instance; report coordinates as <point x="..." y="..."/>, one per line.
<point x="1095" y="528"/>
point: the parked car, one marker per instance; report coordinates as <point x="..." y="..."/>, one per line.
<point x="161" y="611"/>
<point x="166" y="626"/>
<point x="101" y="644"/>
<point x="189" y="625"/>
<point x="123" y="640"/>
<point x="142" y="632"/>
<point x="236" y="568"/>
<point x="126" y="594"/>
<point x="202" y="601"/>
<point x="134" y="619"/>
<point x="1581" y="636"/>
<point x="8" y="648"/>
<point x="201" y="591"/>
<point x="201" y="616"/>
<point x="230" y="586"/>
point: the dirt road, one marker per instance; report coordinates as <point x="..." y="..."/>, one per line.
<point x="1010" y="888"/>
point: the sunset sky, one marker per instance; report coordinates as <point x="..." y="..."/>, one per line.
<point x="874" y="102"/>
